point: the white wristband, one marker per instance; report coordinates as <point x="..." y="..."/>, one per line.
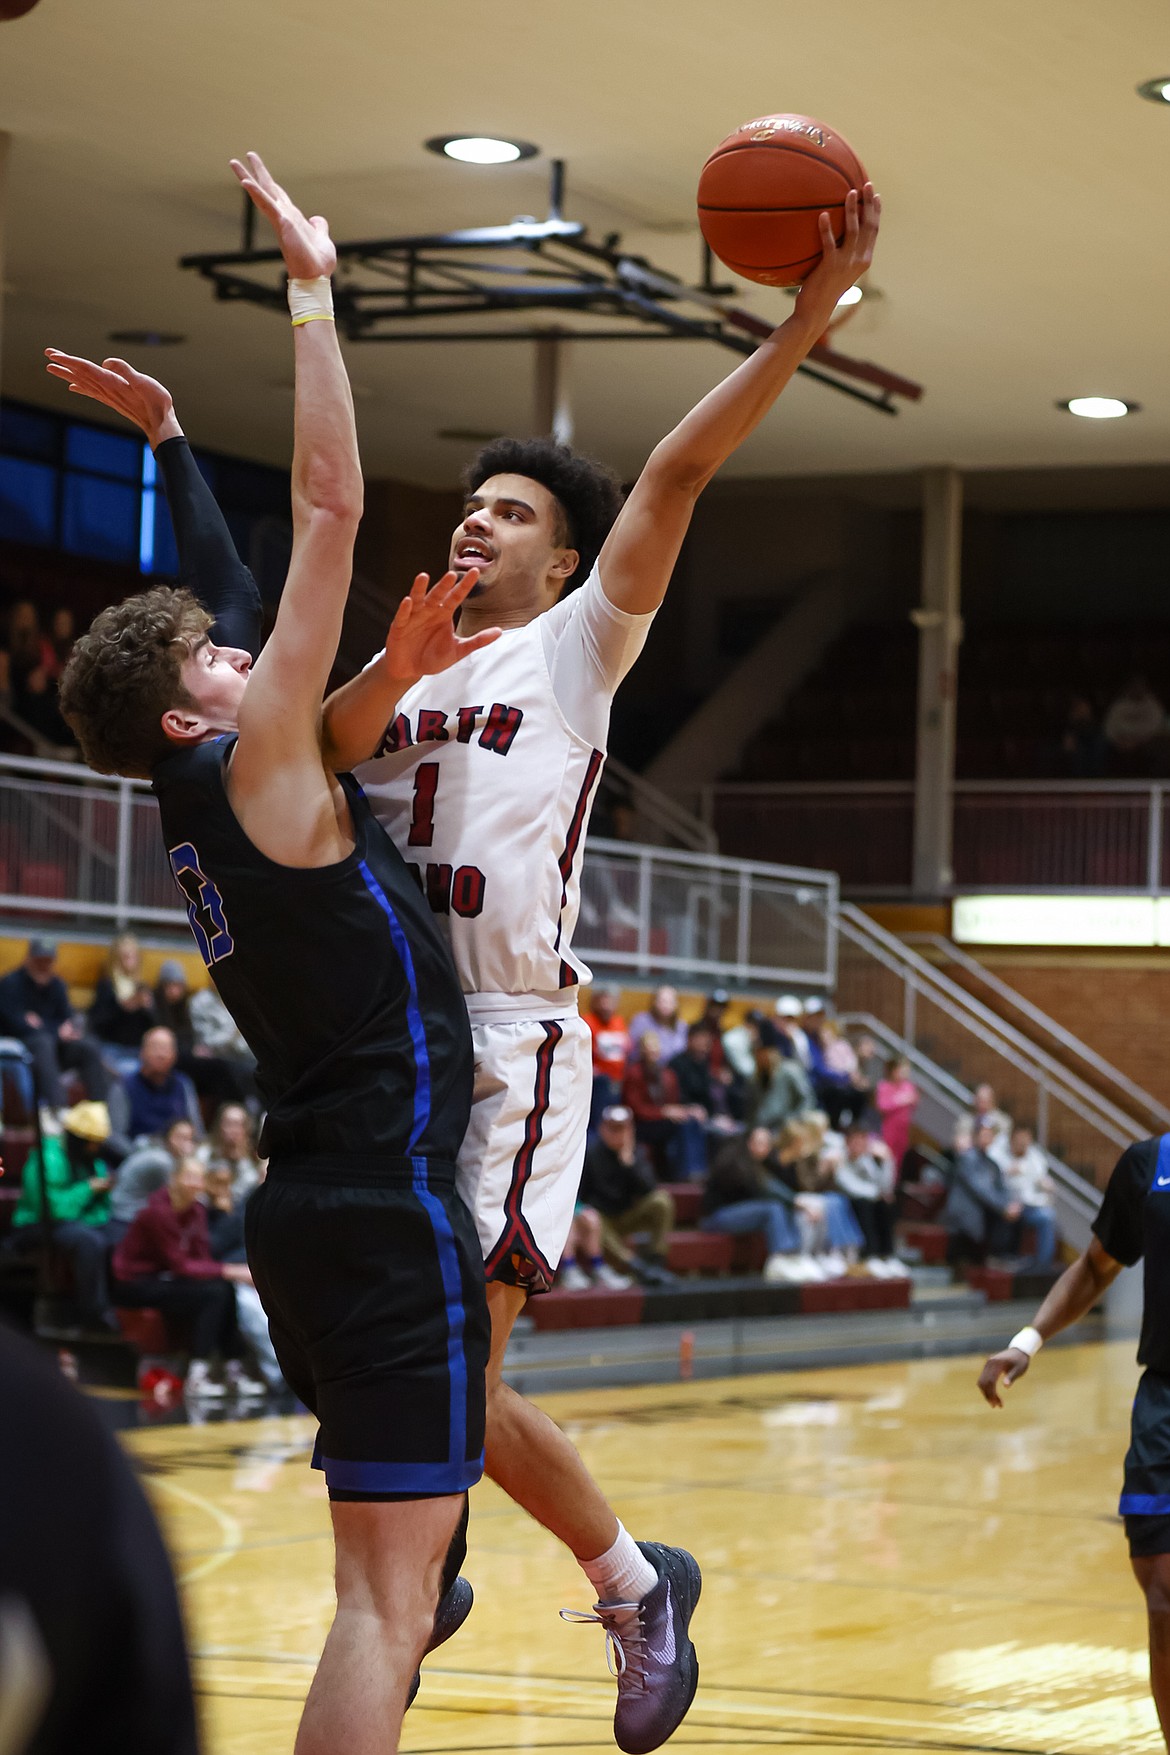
<point x="1029" y="1340"/>
<point x="311" y="301"/>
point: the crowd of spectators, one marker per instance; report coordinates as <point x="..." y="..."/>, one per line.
<point x="145" y="1200"/>
<point x="795" y="1133"/>
<point x="32" y="656"/>
<point x="1129" y="740"/>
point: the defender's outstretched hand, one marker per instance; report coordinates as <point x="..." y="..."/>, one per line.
<point x="422" y="638"/>
<point x="305" y="244"/>
<point x="841" y="264"/>
<point x="117" y="385"/>
<point x="1008" y="1365"/>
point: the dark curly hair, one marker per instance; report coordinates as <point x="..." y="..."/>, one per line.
<point x="589" y="495"/>
<point x="125" y="673"/>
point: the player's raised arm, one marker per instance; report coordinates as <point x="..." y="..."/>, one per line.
<point x="642" y="547"/>
<point x="209" y="566"/>
<point x="1073" y="1296"/>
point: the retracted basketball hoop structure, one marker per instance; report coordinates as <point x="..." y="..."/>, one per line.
<point x="425" y="288"/>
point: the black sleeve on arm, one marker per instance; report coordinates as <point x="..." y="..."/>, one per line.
<point x="208" y="563"/>
<point x="1118" y="1225"/>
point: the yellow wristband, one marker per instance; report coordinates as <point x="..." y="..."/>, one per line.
<point x="313" y="317"/>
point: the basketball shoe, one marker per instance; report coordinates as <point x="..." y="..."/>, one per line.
<point x="649" y="1650"/>
<point x="453" y="1610"/>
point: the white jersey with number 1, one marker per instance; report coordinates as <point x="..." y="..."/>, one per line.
<point x="485" y="781"/>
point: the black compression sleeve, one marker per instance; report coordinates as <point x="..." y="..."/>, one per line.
<point x="208" y="563"/>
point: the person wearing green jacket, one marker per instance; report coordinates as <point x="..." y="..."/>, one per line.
<point x="76" y="1184"/>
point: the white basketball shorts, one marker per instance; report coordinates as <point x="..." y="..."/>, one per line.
<point x="520" y="1166"/>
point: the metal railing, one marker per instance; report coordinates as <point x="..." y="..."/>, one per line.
<point x="697" y="918"/>
<point x="1007" y="834"/>
<point x="944" y="1098"/>
<point x="885" y="978"/>
<point x="658" y="817"/>
<point x="80" y="849"/>
<point x="1098" y="1071"/>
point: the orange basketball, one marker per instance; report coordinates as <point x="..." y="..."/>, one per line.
<point x="762" y="190"/>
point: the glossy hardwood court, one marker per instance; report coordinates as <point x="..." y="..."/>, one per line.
<point x="888" y="1566"/>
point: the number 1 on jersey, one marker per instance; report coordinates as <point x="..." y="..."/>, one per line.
<point x="422" y="817"/>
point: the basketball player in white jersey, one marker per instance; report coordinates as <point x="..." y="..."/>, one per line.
<point x="484" y="776"/>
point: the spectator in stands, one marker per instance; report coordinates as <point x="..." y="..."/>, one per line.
<point x="662" y="1120"/>
<point x="225" y="1232"/>
<point x="896" y="1099"/>
<point x="1135" y="727"/>
<point x="212" y="1076"/>
<point x="806" y="1157"/>
<point x="217" y="1036"/>
<point x="165" y="1262"/>
<point x="60" y="640"/>
<point x="794" y="1040"/>
<point x="700" y="1087"/>
<point x="611" y="1048"/>
<point x="123" y="1005"/>
<point x="76" y="1186"/>
<point x="985" y="1107"/>
<point x="1026" y="1173"/>
<point x="981" y="1216"/>
<point x="28" y="679"/>
<point x="232" y="1145"/>
<point x="781" y="1090"/>
<point x="35" y="1008"/>
<point x="145" y="1102"/>
<point x="663" y="1018"/>
<point x="866" y="1177"/>
<point x="145" y="1171"/>
<point x="584" y="1246"/>
<point x="744" y="1196"/>
<point x="743" y="1041"/>
<point x="1082" y="753"/>
<point x="834" y="1069"/>
<point x="871" y="1064"/>
<point x="619" y="1183"/>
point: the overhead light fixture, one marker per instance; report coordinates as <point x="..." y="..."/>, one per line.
<point x="481" y="149"/>
<point x="1099" y="407"/>
<point x="1156" y="91"/>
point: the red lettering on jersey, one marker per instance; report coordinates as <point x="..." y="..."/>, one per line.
<point x="432" y="726"/>
<point x="422" y="816"/>
<point x="499" y="733"/>
<point x="467" y="717"/>
<point x="467" y="891"/>
<point x="438" y="890"/>
<point x="396" y="736"/>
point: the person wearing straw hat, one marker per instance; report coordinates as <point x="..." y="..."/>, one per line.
<point x="66" y="1181"/>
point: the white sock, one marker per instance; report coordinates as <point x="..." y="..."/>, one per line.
<point x="622" y="1574"/>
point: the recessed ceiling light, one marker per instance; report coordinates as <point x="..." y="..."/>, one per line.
<point x="1156" y="90"/>
<point x="147" y="337"/>
<point x="852" y="295"/>
<point x="481" y="149"/>
<point x="1099" y="407"/>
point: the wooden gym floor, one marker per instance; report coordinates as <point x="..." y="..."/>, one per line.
<point x="888" y="1566"/>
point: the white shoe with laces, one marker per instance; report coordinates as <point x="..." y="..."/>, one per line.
<point x="604" y="1275"/>
<point x="200" y="1385"/>
<point x="574" y="1279"/>
<point x="239" y="1383"/>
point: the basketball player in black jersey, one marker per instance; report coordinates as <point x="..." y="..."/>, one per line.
<point x="1133" y="1225"/>
<point x="328" y="958"/>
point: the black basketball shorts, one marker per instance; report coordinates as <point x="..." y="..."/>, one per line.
<point x="1145" y="1496"/>
<point x="371" y="1276"/>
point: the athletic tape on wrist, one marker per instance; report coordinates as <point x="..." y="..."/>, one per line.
<point x="311" y="301"/>
<point x="1029" y="1340"/>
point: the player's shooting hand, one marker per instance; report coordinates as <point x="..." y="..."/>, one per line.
<point x="841" y="264"/>
<point x="305" y="244"/>
<point x="1010" y="1364"/>
<point x="117" y="385"/>
<point x="422" y="640"/>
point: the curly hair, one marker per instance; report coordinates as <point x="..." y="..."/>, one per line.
<point x="588" y="494"/>
<point x="125" y="673"/>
